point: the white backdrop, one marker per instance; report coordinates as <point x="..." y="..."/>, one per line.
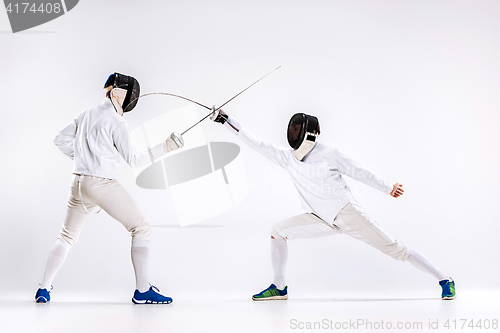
<point x="408" y="88"/>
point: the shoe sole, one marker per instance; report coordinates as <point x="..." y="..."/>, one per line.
<point x="149" y="302"/>
<point x="41" y="299"/>
<point x="272" y="298"/>
<point x="449" y="298"/>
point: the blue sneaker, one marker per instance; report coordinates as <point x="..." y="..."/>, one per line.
<point x="151" y="296"/>
<point x="448" y="286"/>
<point x="42" y="296"/>
<point x="271" y="293"/>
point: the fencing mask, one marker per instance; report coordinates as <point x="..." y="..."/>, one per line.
<point x="303" y="130"/>
<point x="123" y="92"/>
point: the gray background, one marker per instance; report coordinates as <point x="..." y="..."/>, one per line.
<point x="408" y="88"/>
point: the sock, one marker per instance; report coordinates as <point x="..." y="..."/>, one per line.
<point x="56" y="259"/>
<point x="421" y="262"/>
<point x="279" y="256"/>
<point x="140" y="260"/>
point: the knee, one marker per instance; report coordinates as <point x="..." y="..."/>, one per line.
<point x="68" y="237"/>
<point x="143" y="230"/>
<point x="274" y="232"/>
<point x="397" y="250"/>
<point x="64" y="243"/>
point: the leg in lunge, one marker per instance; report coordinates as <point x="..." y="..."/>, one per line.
<point x="301" y="226"/>
<point x="279" y="256"/>
<point x="421" y="262"/>
<point x="355" y="223"/>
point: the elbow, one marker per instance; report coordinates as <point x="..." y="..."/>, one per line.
<point x="133" y="164"/>
<point x="61" y="142"/>
<point x="57" y="141"/>
<point x="136" y="161"/>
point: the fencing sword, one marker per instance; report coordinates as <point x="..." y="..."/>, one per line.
<point x="220" y="107"/>
<point x="206" y="107"/>
<point x="168" y="94"/>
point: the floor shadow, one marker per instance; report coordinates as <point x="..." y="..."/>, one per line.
<point x="363" y="299"/>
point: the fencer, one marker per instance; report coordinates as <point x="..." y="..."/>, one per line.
<point x="317" y="172"/>
<point x="95" y="140"/>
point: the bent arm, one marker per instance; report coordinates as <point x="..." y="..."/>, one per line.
<point x="127" y="149"/>
<point x="64" y="140"/>
<point x="136" y="158"/>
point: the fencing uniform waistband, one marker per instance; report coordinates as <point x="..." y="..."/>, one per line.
<point x="82" y="175"/>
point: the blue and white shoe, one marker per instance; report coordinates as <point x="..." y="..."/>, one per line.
<point x="42" y="295"/>
<point x="271" y="293"/>
<point x="448" y="287"/>
<point x="151" y="296"/>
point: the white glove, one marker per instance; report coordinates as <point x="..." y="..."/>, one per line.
<point x="173" y="142"/>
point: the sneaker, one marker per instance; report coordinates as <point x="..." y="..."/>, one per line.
<point x="448" y="289"/>
<point x="42" y="295"/>
<point x="271" y="293"/>
<point x="151" y="296"/>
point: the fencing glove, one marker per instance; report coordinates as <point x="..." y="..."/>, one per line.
<point x="218" y="115"/>
<point x="173" y="142"/>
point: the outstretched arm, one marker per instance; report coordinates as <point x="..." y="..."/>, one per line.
<point x="352" y="169"/>
<point x="349" y="167"/>
<point x="274" y="153"/>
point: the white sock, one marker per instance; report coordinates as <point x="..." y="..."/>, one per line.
<point x="56" y="259"/>
<point x="140" y="260"/>
<point x="279" y="256"/>
<point x="421" y="262"/>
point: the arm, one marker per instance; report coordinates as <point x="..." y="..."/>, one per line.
<point x="64" y="140"/>
<point x="136" y="158"/>
<point x="349" y="167"/>
<point x="274" y="153"/>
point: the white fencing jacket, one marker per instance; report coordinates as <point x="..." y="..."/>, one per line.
<point x="96" y="138"/>
<point x="318" y="177"/>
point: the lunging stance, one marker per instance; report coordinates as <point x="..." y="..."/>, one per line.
<point x="95" y="140"/>
<point x="317" y="171"/>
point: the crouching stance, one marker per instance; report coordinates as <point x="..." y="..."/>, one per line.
<point x="95" y="139"/>
<point x="317" y="172"/>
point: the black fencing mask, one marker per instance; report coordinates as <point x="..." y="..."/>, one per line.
<point x="302" y="132"/>
<point x="123" y="91"/>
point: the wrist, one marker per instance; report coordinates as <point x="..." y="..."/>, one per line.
<point x="233" y="124"/>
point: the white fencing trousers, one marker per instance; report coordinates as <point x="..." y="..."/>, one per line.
<point x="111" y="197"/>
<point x="351" y="220"/>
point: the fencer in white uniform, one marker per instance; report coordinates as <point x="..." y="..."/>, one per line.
<point x="317" y="171"/>
<point x="95" y="140"/>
